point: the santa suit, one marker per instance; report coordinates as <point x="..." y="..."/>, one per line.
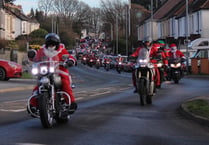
<point x="63" y="72"/>
<point x="177" y="54"/>
<point x="153" y="52"/>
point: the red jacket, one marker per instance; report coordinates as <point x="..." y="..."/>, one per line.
<point x="60" y="52"/>
<point x="178" y="54"/>
<point x="136" y="53"/>
<point x="119" y="59"/>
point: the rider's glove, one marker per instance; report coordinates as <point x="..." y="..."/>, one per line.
<point x="132" y="58"/>
<point x="183" y="59"/>
<point x="31" y="54"/>
<point x="69" y="63"/>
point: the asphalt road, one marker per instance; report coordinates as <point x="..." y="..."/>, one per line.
<point x="109" y="114"/>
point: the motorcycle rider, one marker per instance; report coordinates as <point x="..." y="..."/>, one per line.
<point x="119" y="58"/>
<point x="164" y="53"/>
<point x="53" y="45"/>
<point x="132" y="58"/>
<point x="153" y="52"/>
<point x="160" y="56"/>
<point x="175" y="53"/>
<point x="107" y="58"/>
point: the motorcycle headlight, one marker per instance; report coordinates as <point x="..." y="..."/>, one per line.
<point x="120" y="63"/>
<point x="84" y="58"/>
<point x="43" y="70"/>
<point x="51" y="69"/>
<point x="34" y="71"/>
<point x="172" y="65"/>
<point x="159" y="65"/>
<point x="143" y="61"/>
<point x="178" y="64"/>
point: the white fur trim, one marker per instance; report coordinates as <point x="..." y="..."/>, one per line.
<point x="72" y="60"/>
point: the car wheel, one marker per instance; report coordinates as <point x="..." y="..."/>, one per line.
<point x="2" y="74"/>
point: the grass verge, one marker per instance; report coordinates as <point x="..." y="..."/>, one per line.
<point x="27" y="75"/>
<point x="198" y="107"/>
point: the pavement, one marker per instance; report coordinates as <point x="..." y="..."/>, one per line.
<point x="29" y="85"/>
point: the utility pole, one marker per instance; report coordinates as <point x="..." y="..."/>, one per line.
<point x="151" y="20"/>
<point x="187" y="34"/>
<point x="126" y="31"/>
<point x="116" y="33"/>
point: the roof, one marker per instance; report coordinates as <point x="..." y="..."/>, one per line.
<point x="194" y="5"/>
<point x="139" y="7"/>
<point x="199" y="4"/>
<point x="164" y="9"/>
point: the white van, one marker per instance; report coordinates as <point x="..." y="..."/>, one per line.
<point x="199" y="49"/>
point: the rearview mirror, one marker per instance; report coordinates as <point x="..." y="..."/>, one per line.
<point x="31" y="53"/>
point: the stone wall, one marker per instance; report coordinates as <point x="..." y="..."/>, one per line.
<point x="21" y="56"/>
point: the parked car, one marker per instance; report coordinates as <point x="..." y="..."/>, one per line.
<point x="9" y="69"/>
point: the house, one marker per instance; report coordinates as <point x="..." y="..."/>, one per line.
<point x="14" y="23"/>
<point x="170" y="23"/>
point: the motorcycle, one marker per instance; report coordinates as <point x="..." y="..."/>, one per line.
<point x="51" y="104"/>
<point x="119" y="66"/>
<point x="144" y="72"/>
<point x="84" y="60"/>
<point x="98" y="63"/>
<point x="107" y="65"/>
<point x="160" y="66"/>
<point x="175" y="69"/>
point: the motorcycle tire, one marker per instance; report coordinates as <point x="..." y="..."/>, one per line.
<point x="142" y="91"/>
<point x="46" y="113"/>
<point x="61" y="116"/>
<point x="176" y="81"/>
<point x="149" y="99"/>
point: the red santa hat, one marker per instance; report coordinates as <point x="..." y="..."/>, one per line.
<point x="172" y="45"/>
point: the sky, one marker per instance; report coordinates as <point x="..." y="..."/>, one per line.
<point x="28" y="4"/>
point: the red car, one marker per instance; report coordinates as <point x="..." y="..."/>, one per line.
<point x="9" y="69"/>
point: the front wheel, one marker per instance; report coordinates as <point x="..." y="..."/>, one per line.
<point x="149" y="99"/>
<point x="46" y="110"/>
<point x="142" y="91"/>
<point x="118" y="70"/>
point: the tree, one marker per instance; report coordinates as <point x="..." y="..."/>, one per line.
<point x="45" y="6"/>
<point x="9" y="1"/>
<point x="113" y="10"/>
<point x="32" y="14"/>
<point x="37" y="37"/>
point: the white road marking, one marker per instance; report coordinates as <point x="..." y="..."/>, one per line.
<point x="97" y="94"/>
<point x="8" y="110"/>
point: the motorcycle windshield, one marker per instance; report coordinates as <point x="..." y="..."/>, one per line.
<point x="143" y="54"/>
<point x="143" y="58"/>
<point x="47" y="62"/>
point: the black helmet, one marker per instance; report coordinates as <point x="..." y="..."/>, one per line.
<point x="52" y="39"/>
